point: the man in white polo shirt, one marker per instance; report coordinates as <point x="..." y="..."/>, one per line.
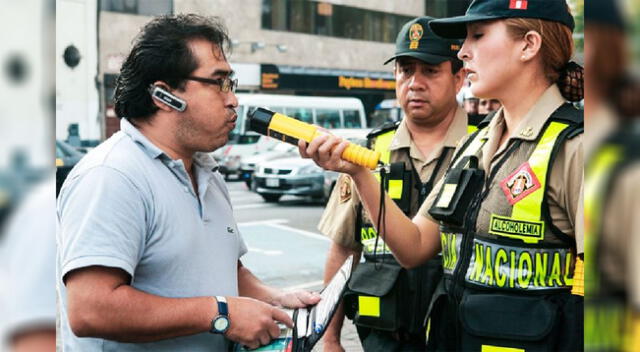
<point x="148" y="247"/>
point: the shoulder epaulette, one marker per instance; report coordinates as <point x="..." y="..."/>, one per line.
<point x="386" y="127"/>
<point x="569" y="113"/>
<point x="574" y="116"/>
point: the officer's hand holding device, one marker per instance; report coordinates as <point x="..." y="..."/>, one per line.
<point x="290" y="130"/>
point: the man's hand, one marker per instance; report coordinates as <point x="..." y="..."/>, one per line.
<point x="253" y="323"/>
<point x="296" y="299"/>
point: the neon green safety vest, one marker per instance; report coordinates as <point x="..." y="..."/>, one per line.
<point x="608" y="319"/>
<point x="506" y="255"/>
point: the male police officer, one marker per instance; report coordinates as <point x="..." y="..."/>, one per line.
<point x="389" y="304"/>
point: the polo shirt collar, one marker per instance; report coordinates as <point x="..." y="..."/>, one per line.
<point x="130" y="130"/>
<point x="205" y="161"/>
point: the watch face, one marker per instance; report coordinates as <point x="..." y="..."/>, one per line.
<point x="221" y="323"/>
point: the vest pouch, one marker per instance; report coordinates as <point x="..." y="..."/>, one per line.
<point x="371" y="300"/>
<point x="513" y="322"/>
<point x="460" y="187"/>
<point x="420" y="287"/>
<point x="398" y="184"/>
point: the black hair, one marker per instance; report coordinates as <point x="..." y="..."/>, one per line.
<point x="456" y="65"/>
<point x="161" y="53"/>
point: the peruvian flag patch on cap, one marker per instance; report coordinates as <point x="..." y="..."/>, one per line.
<point x="518" y="4"/>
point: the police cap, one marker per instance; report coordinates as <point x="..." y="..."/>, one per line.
<point x="484" y="10"/>
<point x="417" y="40"/>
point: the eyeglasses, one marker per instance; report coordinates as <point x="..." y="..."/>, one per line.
<point x="226" y="84"/>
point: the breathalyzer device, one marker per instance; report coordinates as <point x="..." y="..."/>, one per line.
<point x="290" y="130"/>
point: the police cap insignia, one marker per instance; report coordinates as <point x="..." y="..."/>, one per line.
<point x="417" y="40"/>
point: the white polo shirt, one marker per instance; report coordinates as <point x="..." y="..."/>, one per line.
<point x="128" y="205"/>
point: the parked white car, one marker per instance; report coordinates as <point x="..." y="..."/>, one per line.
<point x="248" y="164"/>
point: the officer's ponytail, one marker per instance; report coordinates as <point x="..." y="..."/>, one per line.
<point x="556" y="52"/>
<point x="571" y="82"/>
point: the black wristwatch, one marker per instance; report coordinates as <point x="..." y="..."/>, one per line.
<point x="221" y="323"/>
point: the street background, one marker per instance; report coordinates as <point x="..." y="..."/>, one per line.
<point x="60" y="86"/>
<point x="285" y="248"/>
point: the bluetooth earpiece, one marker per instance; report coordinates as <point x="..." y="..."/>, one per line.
<point x="167" y="98"/>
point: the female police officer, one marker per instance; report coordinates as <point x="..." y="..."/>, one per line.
<point x="507" y="215"/>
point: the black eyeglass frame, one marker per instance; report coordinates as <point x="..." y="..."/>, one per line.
<point x="226" y="84"/>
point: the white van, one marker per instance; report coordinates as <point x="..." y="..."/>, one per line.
<point x="327" y="112"/>
<point x="334" y="113"/>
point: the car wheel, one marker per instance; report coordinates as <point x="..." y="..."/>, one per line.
<point x="271" y="198"/>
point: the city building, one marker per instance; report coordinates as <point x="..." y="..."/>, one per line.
<point x="302" y="47"/>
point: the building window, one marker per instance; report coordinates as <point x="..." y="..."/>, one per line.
<point x="446" y="8"/>
<point x="322" y="18"/>
<point x="274" y="15"/>
<point x="301" y="15"/>
<point x="138" y="7"/>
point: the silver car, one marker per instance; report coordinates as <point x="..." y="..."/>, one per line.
<point x="293" y="176"/>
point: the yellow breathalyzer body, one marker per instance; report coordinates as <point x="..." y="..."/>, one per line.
<point x="290" y="130"/>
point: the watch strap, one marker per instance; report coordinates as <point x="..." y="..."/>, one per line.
<point x="223" y="314"/>
<point x="222" y="305"/>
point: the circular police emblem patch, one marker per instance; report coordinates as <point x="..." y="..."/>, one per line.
<point x="415" y="31"/>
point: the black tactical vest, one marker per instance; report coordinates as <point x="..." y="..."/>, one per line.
<point x="382" y="295"/>
<point x="609" y="318"/>
<point x="508" y="271"/>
